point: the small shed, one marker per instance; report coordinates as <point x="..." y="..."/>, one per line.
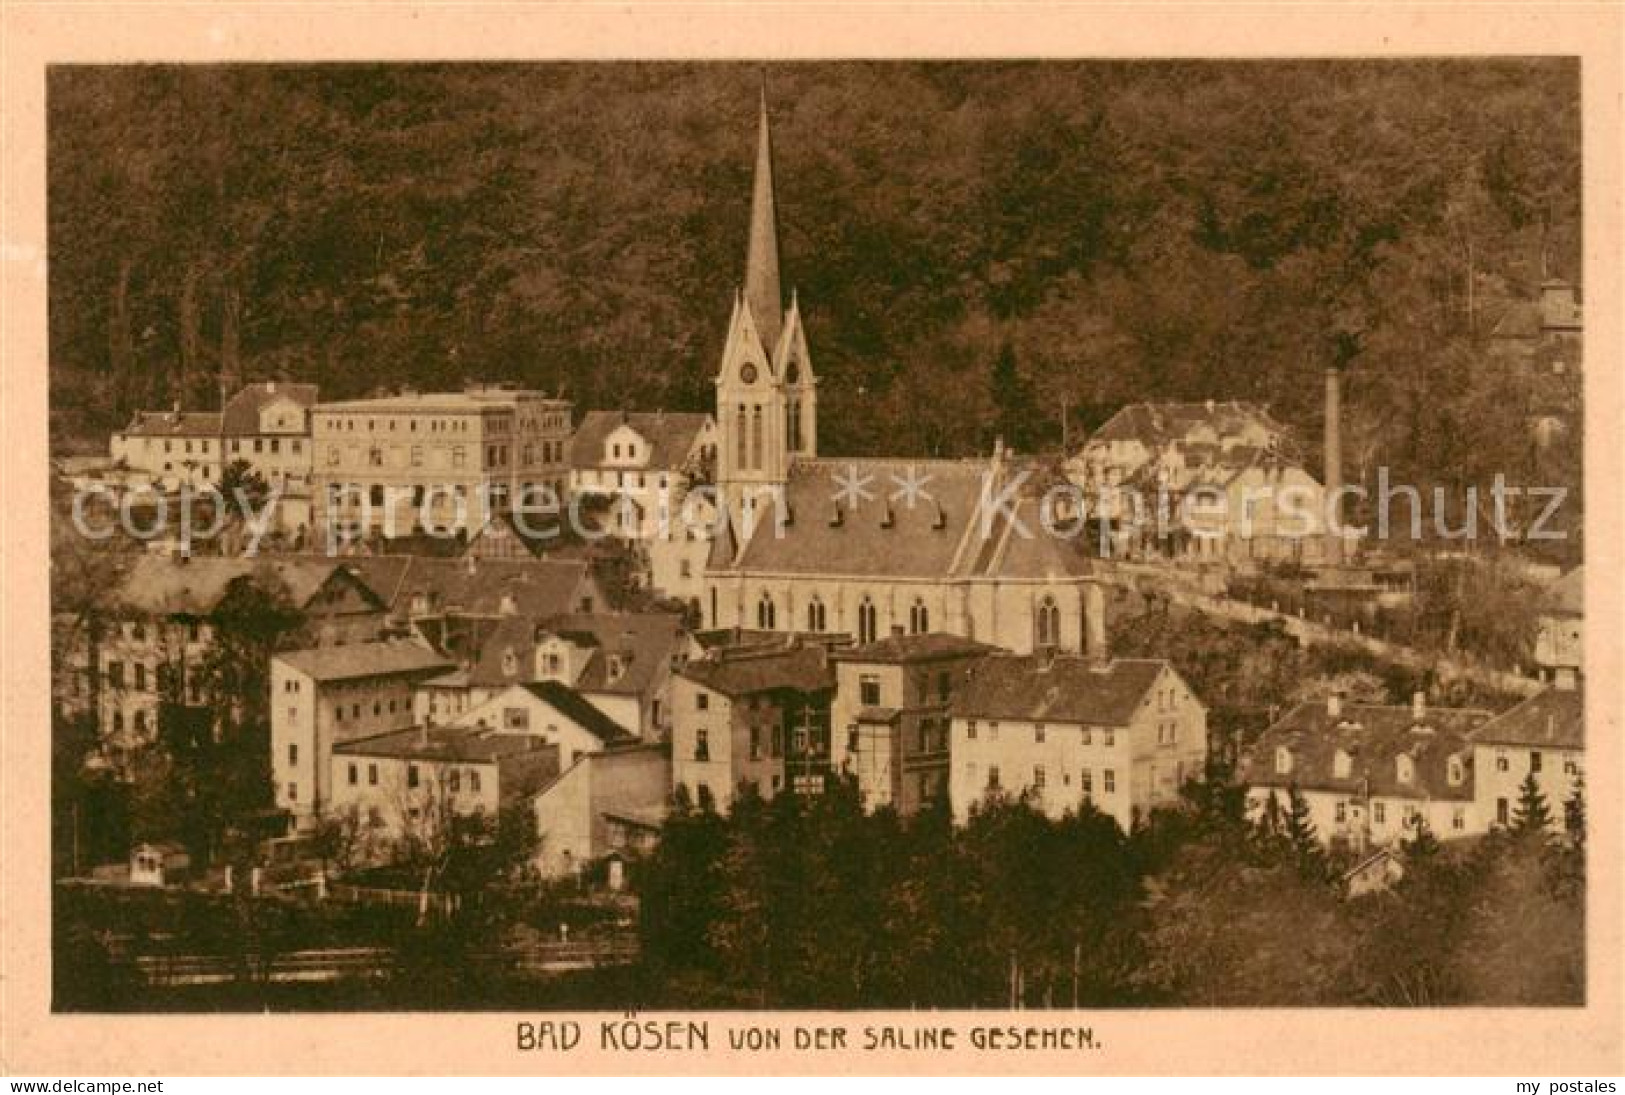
<point x="159" y="864"/>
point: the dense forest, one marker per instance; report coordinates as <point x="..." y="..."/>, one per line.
<point x="976" y="246"/>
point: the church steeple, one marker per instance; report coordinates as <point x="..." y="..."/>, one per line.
<point x="762" y="255"/>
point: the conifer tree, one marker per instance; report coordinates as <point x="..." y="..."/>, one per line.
<point x="1533" y="815"/>
<point x="1574" y="813"/>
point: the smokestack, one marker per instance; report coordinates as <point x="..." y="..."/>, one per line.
<point x="1334" y="462"/>
<point x="1094" y="622"/>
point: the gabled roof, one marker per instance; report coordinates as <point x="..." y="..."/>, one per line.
<point x="1554" y="719"/>
<point x="1059" y="688"/>
<point x="874" y="535"/>
<point x="186" y="424"/>
<point x="750" y="672"/>
<point x="241" y="414"/>
<point x="160" y="585"/>
<point x="641" y="644"/>
<point x="670" y="436"/>
<point x="570" y="703"/>
<point x="350" y="661"/>
<point x="1373" y="736"/>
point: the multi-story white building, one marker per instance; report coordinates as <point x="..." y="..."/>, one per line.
<point x="1371" y="774"/>
<point x="1060" y="730"/>
<point x="1543" y="737"/>
<point x="169" y="449"/>
<point x="407" y="463"/>
<point x="410" y="784"/>
<point x="322" y="698"/>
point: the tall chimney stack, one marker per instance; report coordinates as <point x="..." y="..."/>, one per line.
<point x="1334" y="464"/>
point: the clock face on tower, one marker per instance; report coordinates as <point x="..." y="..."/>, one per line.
<point x="748" y="373"/>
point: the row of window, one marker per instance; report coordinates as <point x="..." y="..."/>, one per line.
<point x="1086" y="779"/>
<point x="973" y="729"/>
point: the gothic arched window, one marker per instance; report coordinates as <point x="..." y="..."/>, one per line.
<point x="919" y="619"/>
<point x="792" y="431"/>
<point x="866" y="620"/>
<point x="766" y="613"/>
<point x="757" y="449"/>
<point x="815" y="615"/>
<point x="1048" y="622"/>
<point x="741" y="452"/>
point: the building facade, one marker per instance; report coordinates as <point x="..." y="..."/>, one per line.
<point x="892" y="715"/>
<point x="755" y="715"/>
<point x="583" y="815"/>
<point x="1061" y="730"/>
<point x="1541" y="738"/>
<point x="402" y="464"/>
<point x="323" y="698"/>
<point x="1372" y="775"/>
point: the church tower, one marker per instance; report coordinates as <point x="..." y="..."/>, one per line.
<point x="767" y="402"/>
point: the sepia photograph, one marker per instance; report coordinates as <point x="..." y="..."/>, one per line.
<point x="663" y="540"/>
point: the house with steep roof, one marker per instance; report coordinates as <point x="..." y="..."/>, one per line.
<point x="620" y="663"/>
<point x="892" y="714"/>
<point x="1372" y="775"/>
<point x="816" y="544"/>
<point x="267" y="426"/>
<point x="1543" y="737"/>
<point x="1059" y="730"/>
<point x="1230" y="472"/>
<point x="752" y="715"/>
<point x="324" y="697"/>
<point x="552" y="711"/>
<point x="159" y="629"/>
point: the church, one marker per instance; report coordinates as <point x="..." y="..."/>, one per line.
<point x="867" y="546"/>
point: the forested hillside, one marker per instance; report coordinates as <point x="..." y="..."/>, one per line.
<point x="1117" y="231"/>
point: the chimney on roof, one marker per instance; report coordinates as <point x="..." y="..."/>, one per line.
<point x="1419" y="705"/>
<point x="471" y="564"/>
<point x="1334" y="704"/>
<point x="508" y="606"/>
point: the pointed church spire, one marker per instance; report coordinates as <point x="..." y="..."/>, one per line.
<point x="762" y="257"/>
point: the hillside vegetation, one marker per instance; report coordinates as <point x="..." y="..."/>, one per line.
<point x="974" y="245"/>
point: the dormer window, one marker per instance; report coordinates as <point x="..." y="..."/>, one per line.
<point x="510" y="663"/>
<point x="1283" y="761"/>
<point x="1342" y="764"/>
<point x="1455" y="771"/>
<point x="1405" y="769"/>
